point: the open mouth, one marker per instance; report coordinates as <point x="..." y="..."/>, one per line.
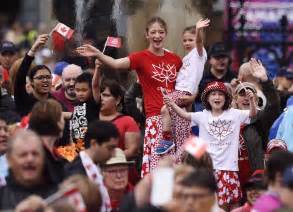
<point x="217" y="102"/>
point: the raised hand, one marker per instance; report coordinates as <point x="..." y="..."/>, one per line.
<point x="250" y="95"/>
<point x="202" y="23"/>
<point x="258" y="70"/>
<point x="40" y="42"/>
<point x="88" y="50"/>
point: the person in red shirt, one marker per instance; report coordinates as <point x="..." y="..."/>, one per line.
<point x="156" y="68"/>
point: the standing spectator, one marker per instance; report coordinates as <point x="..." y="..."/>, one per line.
<point x="254" y="136"/>
<point x="219" y="125"/>
<point x="40" y="78"/>
<point x="277" y="164"/>
<point x="115" y="172"/>
<point x="8" y="54"/>
<point x="101" y="140"/>
<point x="26" y="159"/>
<point x="66" y="95"/>
<point x="47" y="120"/>
<point x="129" y="142"/>
<point x="218" y="69"/>
<point x="155" y="68"/>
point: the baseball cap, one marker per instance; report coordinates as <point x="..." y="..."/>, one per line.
<point x="219" y="49"/>
<point x="59" y="66"/>
<point x="285" y="72"/>
<point x="7" y="46"/>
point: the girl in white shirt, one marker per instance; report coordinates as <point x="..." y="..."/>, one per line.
<point x="187" y="82"/>
<point x="219" y="126"/>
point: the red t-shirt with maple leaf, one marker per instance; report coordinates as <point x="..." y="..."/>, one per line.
<point x="154" y="72"/>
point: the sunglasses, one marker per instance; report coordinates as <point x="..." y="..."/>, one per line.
<point x="242" y="92"/>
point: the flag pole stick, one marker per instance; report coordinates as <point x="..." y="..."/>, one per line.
<point x="105" y="45"/>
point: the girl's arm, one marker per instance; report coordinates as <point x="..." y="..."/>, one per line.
<point x="200" y="25"/>
<point x="252" y="103"/>
<point x="96" y="82"/>
<point x="182" y="113"/>
<point x="90" y="51"/>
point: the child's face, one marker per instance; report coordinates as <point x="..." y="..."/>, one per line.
<point x="188" y="41"/>
<point x="83" y="91"/>
<point x="216" y="99"/>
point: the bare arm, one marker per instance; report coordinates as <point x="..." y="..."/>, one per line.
<point x="200" y="25"/>
<point x="132" y="140"/>
<point x="90" y="51"/>
<point x="96" y="82"/>
<point x="182" y="113"/>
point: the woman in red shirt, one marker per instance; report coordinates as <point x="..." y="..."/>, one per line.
<point x="156" y="68"/>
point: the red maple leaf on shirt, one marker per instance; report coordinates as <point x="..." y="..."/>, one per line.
<point x="164" y="73"/>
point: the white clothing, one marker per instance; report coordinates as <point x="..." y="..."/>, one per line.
<point x="191" y="71"/>
<point x="222" y="135"/>
<point x="94" y="173"/>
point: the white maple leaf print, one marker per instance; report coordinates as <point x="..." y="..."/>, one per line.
<point x="164" y="73"/>
<point x="220" y="129"/>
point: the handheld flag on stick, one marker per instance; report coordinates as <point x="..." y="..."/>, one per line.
<point x="63" y="30"/>
<point x="195" y="146"/>
<point x="112" y="42"/>
<point x="72" y="195"/>
<point x="59" y="35"/>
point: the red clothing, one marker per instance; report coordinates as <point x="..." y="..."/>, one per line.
<point x="154" y="72"/>
<point x="125" y="124"/>
<point x="60" y="97"/>
<point x="243" y="161"/>
<point x="115" y="204"/>
<point x="5" y="74"/>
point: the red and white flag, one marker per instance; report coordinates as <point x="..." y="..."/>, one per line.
<point x="74" y="198"/>
<point x="195" y="146"/>
<point x="72" y="195"/>
<point x="63" y="30"/>
<point x="113" y="42"/>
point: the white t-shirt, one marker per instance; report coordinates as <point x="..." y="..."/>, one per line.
<point x="222" y="135"/>
<point x="191" y="71"/>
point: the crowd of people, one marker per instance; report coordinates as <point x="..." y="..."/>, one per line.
<point x="65" y="130"/>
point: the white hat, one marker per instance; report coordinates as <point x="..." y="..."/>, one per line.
<point x="118" y="158"/>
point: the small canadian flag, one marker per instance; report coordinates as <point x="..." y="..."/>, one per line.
<point x="74" y="197"/>
<point x="113" y="42"/>
<point x="195" y="146"/>
<point x="64" y="30"/>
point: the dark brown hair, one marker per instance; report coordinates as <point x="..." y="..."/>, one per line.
<point x="158" y="20"/>
<point x="45" y="117"/>
<point x="190" y="29"/>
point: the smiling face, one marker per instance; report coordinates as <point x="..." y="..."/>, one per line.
<point x="42" y="81"/>
<point x="156" y="34"/>
<point x="242" y="100"/>
<point x="188" y="41"/>
<point x="216" y="99"/>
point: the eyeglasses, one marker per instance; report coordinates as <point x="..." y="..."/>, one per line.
<point x="43" y="77"/>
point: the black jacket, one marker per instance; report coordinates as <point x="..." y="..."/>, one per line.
<point x="13" y="193"/>
<point x="54" y="169"/>
<point x="75" y="167"/>
<point x="256" y="133"/>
